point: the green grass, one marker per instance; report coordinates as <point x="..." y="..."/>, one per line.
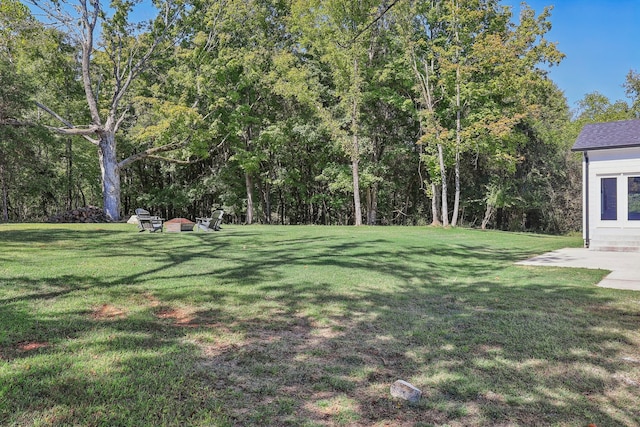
<point x="307" y="326"/>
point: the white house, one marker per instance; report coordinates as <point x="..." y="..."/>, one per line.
<point x="611" y="185"/>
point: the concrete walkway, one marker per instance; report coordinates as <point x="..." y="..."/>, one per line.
<point x="624" y="266"/>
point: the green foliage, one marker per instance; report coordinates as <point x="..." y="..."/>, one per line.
<point x="269" y="105"/>
<point x="595" y="107"/>
<point x="161" y="123"/>
<point x="632" y="89"/>
<point x="40" y="173"/>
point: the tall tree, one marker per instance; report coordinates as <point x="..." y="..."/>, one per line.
<point x="239" y="70"/>
<point x="632" y="89"/>
<point x="419" y="24"/>
<point x="129" y="49"/>
<point x="27" y="172"/>
<point x="595" y="107"/>
<point x="336" y="31"/>
<point x="472" y="68"/>
<point x="514" y="60"/>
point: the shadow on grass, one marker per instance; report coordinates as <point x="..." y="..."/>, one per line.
<point x="219" y="333"/>
<point x="478" y="363"/>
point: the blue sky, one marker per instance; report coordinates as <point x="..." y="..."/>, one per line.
<point x="601" y="41"/>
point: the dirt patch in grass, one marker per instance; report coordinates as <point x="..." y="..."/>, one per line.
<point x="107" y="312"/>
<point x="189" y="317"/>
<point x="152" y="300"/>
<point x="30" y="346"/>
<point x="181" y="317"/>
<point x="22" y="349"/>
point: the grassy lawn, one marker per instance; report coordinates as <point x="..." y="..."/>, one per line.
<point x="307" y="326"/>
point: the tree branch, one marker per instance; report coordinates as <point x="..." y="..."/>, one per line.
<point x="70" y="129"/>
<point x="176" y="161"/>
<point x="84" y="132"/>
<point x="151" y="152"/>
<point x="369" y="25"/>
<point x="74" y="131"/>
<point x="15" y="123"/>
<point x="89" y="20"/>
<point x="120" y="119"/>
<point x="133" y="68"/>
<point x="54" y="114"/>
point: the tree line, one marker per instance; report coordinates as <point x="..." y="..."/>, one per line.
<point x="291" y="112"/>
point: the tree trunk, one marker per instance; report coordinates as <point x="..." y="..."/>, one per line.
<point x="356" y="188"/>
<point x="435" y="205"/>
<point x="456" y="200"/>
<point x="249" y="185"/>
<point x="443" y="174"/>
<point x="355" y="153"/>
<point x="435" y="195"/>
<point x="266" y="197"/>
<point x="5" y="192"/>
<point x="69" y="154"/>
<point x="110" y="174"/>
<point x="372" y="204"/>
<point x="456" y="203"/>
<point x="281" y="209"/>
<point x="440" y="217"/>
<point x="488" y="213"/>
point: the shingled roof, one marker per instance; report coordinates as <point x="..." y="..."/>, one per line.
<point x="600" y="136"/>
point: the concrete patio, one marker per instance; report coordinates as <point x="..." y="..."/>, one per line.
<point x="624" y="266"/>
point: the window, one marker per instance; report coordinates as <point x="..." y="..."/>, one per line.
<point x="608" y="199"/>
<point x="634" y="198"/>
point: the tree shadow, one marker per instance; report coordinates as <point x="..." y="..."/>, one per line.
<point x="485" y="350"/>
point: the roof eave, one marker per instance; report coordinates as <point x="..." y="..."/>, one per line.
<point x="608" y="147"/>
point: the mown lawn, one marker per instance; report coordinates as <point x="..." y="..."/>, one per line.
<point x="307" y="326"/>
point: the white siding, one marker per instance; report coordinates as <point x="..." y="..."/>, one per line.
<point x="621" y="233"/>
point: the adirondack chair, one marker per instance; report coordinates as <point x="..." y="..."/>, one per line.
<point x="148" y="222"/>
<point x="205" y="223"/>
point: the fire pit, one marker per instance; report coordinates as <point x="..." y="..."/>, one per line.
<point x="177" y="225"/>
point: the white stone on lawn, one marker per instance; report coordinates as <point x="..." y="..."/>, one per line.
<point x="406" y="391"/>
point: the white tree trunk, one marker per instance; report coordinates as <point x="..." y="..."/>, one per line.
<point x="443" y="173"/>
<point x="488" y="213"/>
<point x="356" y="189"/>
<point x="456" y="199"/>
<point x="110" y="174"/>
<point x="355" y="153"/>
<point x="456" y="202"/>
<point x="249" y="185"/>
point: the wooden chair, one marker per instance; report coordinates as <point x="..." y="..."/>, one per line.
<point x="204" y="223"/>
<point x="148" y="222"/>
